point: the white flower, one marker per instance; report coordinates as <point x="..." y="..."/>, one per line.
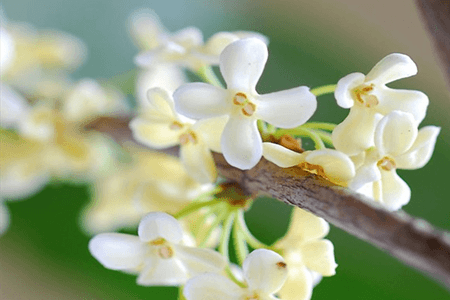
<point x="264" y="271"/>
<point x="369" y="99"/>
<point x="241" y="65"/>
<point x="398" y="145"/>
<point x="331" y="164"/>
<point x="306" y="252"/>
<point x="184" y="47"/>
<point x="159" y="126"/>
<point x="13" y="107"/>
<point x="156" y="254"/>
<point x="7" y="52"/>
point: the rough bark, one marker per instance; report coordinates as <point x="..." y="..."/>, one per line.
<point x="436" y="15"/>
<point x="413" y="241"/>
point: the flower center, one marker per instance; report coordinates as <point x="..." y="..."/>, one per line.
<point x="247" y="107"/>
<point x="253" y="296"/>
<point x="386" y="163"/>
<point x="188" y="137"/>
<point x="363" y="96"/>
<point x="164" y="250"/>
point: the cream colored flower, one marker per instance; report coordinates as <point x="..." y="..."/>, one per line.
<point x="264" y="271"/>
<point x="398" y="145"/>
<point x="184" y="47"/>
<point x="241" y="64"/>
<point x="151" y="182"/>
<point x="305" y="250"/>
<point x="159" y="126"/>
<point x="328" y="163"/>
<point x="369" y="99"/>
<point x="157" y="254"/>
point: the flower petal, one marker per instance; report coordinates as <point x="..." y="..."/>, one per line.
<point x="413" y="102"/>
<point x="299" y="284"/>
<point x="344" y="89"/>
<point x="337" y="166"/>
<point x="117" y="251"/>
<point x="395" y="192"/>
<point x="319" y="256"/>
<point x="160" y="106"/>
<point x="242" y="63"/>
<point x="198" y="161"/>
<point x="395" y="133"/>
<point x="13" y="106"/>
<point x="281" y="156"/>
<point x="241" y="143"/>
<point x="154" y="135"/>
<point x="288" y="108"/>
<point x="166" y="272"/>
<point x="355" y="133"/>
<point x="4" y="217"/>
<point x="200" y="100"/>
<point x="392" y="67"/>
<point x="420" y="152"/>
<point x="199" y="260"/>
<point x="160" y="225"/>
<point x="265" y="271"/>
<point x="211" y="286"/>
<point x="304" y="226"/>
<point x="188" y="37"/>
<point x="367" y="173"/>
<point x="211" y="130"/>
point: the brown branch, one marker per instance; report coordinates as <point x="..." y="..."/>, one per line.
<point x="436" y="14"/>
<point x="413" y="241"/>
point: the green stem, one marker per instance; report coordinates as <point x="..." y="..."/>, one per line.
<point x="251" y="240"/>
<point x="225" y="236"/>
<point x="193" y="207"/>
<point x="222" y="216"/>
<point x="323" y="90"/>
<point x="319" y="125"/>
<point x="207" y="75"/>
<point x="239" y="241"/>
<point x="325" y="137"/>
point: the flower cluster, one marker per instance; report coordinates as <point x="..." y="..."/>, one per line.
<point x="187" y="216"/>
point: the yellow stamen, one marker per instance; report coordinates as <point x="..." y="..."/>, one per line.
<point x="387" y="164"/>
<point x="176" y="125"/>
<point x="188" y="137"/>
<point x="249" y="109"/>
<point x="240" y="99"/>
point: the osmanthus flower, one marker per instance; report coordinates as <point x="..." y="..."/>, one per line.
<point x="152" y="181"/>
<point x="305" y="252"/>
<point x="159" y="126"/>
<point x="331" y="164"/>
<point x="369" y="99"/>
<point x="87" y="99"/>
<point x="264" y="272"/>
<point x="184" y="47"/>
<point x="398" y="144"/>
<point x="157" y="254"/>
<point x="241" y="65"/>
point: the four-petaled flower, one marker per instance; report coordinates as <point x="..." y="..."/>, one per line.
<point x="264" y="271"/>
<point x="398" y="145"/>
<point x="241" y="65"/>
<point x="369" y="99"/>
<point x="157" y="254"/>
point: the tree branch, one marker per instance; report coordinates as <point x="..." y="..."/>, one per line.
<point x="436" y="15"/>
<point x="413" y="241"/>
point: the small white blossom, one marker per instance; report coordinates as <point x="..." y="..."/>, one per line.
<point x="157" y="254"/>
<point x="264" y="271"/>
<point x="369" y="99"/>
<point x="306" y="253"/>
<point x="331" y="164"/>
<point x="398" y="145"/>
<point x="159" y="126"/>
<point x="241" y="65"/>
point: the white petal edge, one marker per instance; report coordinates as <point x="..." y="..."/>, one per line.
<point x="343" y="92"/>
<point x="367" y="173"/>
<point x="154" y="135"/>
<point x="164" y="272"/>
<point x="395" y="133"/>
<point x="337" y="165"/>
<point x="198" y="161"/>
<point x="420" y="152"/>
<point x="319" y="257"/>
<point x="117" y="251"/>
<point x="288" y="108"/>
<point x="211" y="130"/>
<point x="200" y="100"/>
<point x="299" y="284"/>
<point x="198" y="260"/>
<point x="4" y="217"/>
<point x="392" y="67"/>
<point x="242" y="63"/>
<point x="265" y="271"/>
<point x="211" y="286"/>
<point x="241" y="143"/>
<point x="281" y="156"/>
<point x="395" y="192"/>
<point x="160" y="225"/>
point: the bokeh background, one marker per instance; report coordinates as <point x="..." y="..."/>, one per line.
<point x="44" y="254"/>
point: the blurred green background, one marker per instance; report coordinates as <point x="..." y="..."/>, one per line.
<point x="44" y="254"/>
